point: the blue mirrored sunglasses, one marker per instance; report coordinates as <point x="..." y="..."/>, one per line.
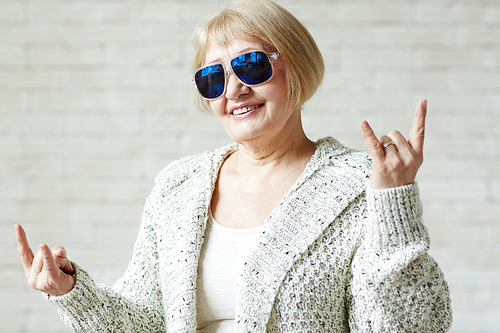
<point x="251" y="68"/>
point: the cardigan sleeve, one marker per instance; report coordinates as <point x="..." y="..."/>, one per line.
<point x="133" y="304"/>
<point x="396" y="286"/>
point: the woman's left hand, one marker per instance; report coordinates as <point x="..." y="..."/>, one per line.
<point x="395" y="159"/>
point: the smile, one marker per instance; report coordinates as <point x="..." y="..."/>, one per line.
<point x="246" y="109"/>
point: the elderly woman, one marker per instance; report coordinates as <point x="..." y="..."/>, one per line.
<point x="275" y="232"/>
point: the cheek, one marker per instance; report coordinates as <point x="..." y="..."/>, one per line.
<point x="279" y="84"/>
<point x="278" y="92"/>
<point x="218" y="106"/>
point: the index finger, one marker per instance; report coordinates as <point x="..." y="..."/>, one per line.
<point x="374" y="146"/>
<point x="23" y="248"/>
<point x="417" y="132"/>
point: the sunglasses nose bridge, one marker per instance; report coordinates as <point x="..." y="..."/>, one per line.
<point x="228" y="72"/>
<point x="234" y="85"/>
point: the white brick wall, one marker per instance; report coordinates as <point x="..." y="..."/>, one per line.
<point x="96" y="97"/>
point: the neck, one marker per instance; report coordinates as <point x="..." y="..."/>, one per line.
<point x="284" y="149"/>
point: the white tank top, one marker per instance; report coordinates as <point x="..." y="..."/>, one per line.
<point x="223" y="253"/>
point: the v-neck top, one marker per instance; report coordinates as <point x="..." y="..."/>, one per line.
<point x="222" y="256"/>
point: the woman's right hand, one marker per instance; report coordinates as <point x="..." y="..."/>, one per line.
<point x="47" y="271"/>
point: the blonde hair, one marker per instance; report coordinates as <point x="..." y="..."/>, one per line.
<point x="278" y="30"/>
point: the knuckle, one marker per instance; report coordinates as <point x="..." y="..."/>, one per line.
<point x="398" y="164"/>
<point x="50" y="284"/>
<point x="408" y="163"/>
<point x="394" y="133"/>
<point x="59" y="251"/>
<point x="415" y="161"/>
<point x="420" y="159"/>
<point x="384" y="169"/>
<point x="374" y="146"/>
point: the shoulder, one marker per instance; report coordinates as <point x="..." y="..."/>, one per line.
<point x="332" y="155"/>
<point x="335" y="174"/>
<point x="193" y="166"/>
<point x="339" y="168"/>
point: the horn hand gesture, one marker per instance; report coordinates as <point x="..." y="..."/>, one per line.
<point x="47" y="271"/>
<point x="395" y="160"/>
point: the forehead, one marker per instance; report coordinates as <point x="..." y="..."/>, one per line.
<point x="219" y="53"/>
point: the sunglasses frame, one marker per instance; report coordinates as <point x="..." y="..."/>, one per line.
<point x="272" y="56"/>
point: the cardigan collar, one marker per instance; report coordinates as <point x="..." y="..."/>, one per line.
<point x="328" y="149"/>
<point x="309" y="207"/>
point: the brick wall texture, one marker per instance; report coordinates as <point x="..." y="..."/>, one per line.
<point x="96" y="97"/>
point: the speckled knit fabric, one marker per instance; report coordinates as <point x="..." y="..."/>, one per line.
<point x="334" y="256"/>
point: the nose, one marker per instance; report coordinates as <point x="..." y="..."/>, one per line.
<point x="235" y="89"/>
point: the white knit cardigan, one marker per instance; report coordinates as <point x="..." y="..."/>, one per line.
<point x="334" y="256"/>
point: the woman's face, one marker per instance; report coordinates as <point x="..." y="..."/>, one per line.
<point x="266" y="116"/>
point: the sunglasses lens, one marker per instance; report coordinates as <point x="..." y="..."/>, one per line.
<point x="252" y="68"/>
<point x="210" y="81"/>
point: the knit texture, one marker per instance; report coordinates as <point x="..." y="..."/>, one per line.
<point x="334" y="256"/>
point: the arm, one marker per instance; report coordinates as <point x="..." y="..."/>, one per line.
<point x="396" y="286"/>
<point x="133" y="305"/>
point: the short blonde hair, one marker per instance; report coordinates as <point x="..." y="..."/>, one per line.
<point x="278" y="30"/>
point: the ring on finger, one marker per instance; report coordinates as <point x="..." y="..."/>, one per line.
<point x="387" y="144"/>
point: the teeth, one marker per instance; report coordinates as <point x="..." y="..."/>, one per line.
<point x="246" y="109"/>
